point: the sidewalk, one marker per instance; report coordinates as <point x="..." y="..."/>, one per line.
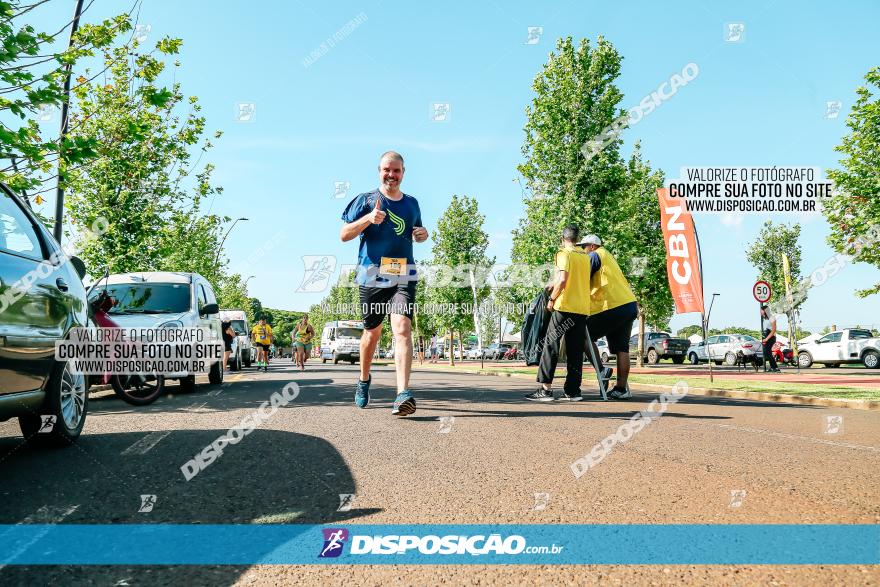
<point x="837" y="390"/>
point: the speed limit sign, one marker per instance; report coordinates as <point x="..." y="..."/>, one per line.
<point x="762" y="291"/>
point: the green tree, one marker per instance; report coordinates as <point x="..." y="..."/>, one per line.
<point x="575" y="101"/>
<point x="688" y="331"/>
<point x="460" y="248"/>
<point x="765" y="254"/>
<point x="854" y="212"/>
<point x="32" y="76"/>
<point x="636" y="240"/>
<point x="232" y="294"/>
<point x="142" y="189"/>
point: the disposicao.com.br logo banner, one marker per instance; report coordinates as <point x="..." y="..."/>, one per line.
<point x="392" y="544"/>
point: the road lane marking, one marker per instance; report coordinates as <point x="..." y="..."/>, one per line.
<point x="146" y="443"/>
<point x="797" y="437"/>
<point x="44" y="515"/>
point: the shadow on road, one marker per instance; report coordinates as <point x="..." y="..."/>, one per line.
<point x="269" y="477"/>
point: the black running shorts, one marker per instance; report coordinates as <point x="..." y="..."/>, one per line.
<point x="615" y="325"/>
<point x="378" y="302"/>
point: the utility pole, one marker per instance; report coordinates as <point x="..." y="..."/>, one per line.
<point x="59" y="190"/>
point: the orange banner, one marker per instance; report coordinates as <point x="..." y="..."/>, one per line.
<point x="682" y="257"/>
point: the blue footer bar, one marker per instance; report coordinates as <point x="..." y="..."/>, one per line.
<point x="184" y="544"/>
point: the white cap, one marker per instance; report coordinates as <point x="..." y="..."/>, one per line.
<point x="590" y="239"/>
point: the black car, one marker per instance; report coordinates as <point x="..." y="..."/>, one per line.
<point x="41" y="299"/>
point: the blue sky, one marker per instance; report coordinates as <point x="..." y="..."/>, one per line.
<point x="760" y="102"/>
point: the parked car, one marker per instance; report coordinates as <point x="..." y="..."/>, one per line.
<point x="604" y="354"/>
<point x="850" y="345"/>
<point x="41" y="299"/>
<point x="165" y="299"/>
<point x="243" y="351"/>
<point x="721" y="348"/>
<point x="341" y="341"/>
<point x="748" y="345"/>
<point x="496" y="351"/>
<point x="475" y="353"/>
<point x="660" y="345"/>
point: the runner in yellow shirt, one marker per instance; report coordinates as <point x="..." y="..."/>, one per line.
<point x="262" y="337"/>
<point x="303" y="334"/>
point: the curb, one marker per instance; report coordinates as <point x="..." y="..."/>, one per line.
<point x="853" y="404"/>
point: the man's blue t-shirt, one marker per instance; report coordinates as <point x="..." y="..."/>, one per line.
<point x="391" y="239"/>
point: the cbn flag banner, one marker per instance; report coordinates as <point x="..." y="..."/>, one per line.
<point x="682" y="255"/>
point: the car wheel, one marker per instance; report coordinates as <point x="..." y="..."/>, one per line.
<point x="335" y="359"/>
<point x="66" y="401"/>
<point x="215" y="375"/>
<point x="138" y="390"/>
<point x="247" y="358"/>
<point x="678" y="360"/>
<point x="188" y="383"/>
<point x="653" y="357"/>
<point x="871" y="359"/>
<point x="694" y="359"/>
<point x="805" y="360"/>
<point x="730" y="359"/>
<point x="352" y="362"/>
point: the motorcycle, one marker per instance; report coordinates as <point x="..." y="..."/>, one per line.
<point x="783" y="356"/>
<point x="137" y="389"/>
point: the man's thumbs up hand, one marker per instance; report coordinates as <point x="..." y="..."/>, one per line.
<point x="377" y="216"/>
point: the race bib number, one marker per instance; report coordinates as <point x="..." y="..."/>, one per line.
<point x="392" y="265"/>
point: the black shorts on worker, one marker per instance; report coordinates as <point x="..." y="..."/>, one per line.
<point x="615" y="325"/>
<point x="265" y="347"/>
<point x="378" y="302"/>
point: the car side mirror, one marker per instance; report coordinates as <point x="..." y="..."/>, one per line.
<point x="79" y="266"/>
<point x="210" y="309"/>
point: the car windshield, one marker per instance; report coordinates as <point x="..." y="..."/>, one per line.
<point x="658" y="335"/>
<point x="238" y="327"/>
<point x="148" y="298"/>
<point x="348" y="332"/>
<point x="747" y="338"/>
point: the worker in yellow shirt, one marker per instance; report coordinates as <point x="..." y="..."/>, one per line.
<point x="263" y="337"/>
<point x="569" y="304"/>
<point x="612" y="311"/>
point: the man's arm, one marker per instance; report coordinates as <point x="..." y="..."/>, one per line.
<point x="558" y="287"/>
<point x="352" y="229"/>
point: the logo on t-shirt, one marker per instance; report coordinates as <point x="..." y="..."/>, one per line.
<point x="397" y="221"/>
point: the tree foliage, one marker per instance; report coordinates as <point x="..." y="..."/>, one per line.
<point x="765" y="254"/>
<point x="139" y="202"/>
<point x="575" y="100"/>
<point x="854" y="212"/>
<point x="32" y="77"/>
<point x="460" y="247"/>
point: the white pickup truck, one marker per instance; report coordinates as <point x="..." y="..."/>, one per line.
<point x="851" y="345"/>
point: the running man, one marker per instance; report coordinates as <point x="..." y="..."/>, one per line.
<point x="388" y="222"/>
<point x="302" y="346"/>
<point x="262" y="336"/>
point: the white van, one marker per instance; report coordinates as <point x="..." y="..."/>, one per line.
<point x="165" y="299"/>
<point x="341" y="341"/>
<point x="243" y="352"/>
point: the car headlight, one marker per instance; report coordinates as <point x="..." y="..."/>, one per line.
<point x="172" y="324"/>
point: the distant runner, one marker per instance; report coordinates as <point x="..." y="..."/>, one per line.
<point x="304" y="333"/>
<point x="262" y="336"/>
<point x="387" y="221"/>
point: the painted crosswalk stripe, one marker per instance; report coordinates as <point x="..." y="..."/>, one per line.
<point x="146" y="443"/>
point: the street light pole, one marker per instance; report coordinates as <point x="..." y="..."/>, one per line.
<point x="220" y="248"/>
<point x="59" y="189"/>
<point x="706" y="337"/>
<point x="246" y="280"/>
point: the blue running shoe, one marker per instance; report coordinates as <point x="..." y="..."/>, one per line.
<point x="362" y="393"/>
<point x="404" y="404"/>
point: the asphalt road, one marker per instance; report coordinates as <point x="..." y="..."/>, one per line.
<point x="474" y="452"/>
